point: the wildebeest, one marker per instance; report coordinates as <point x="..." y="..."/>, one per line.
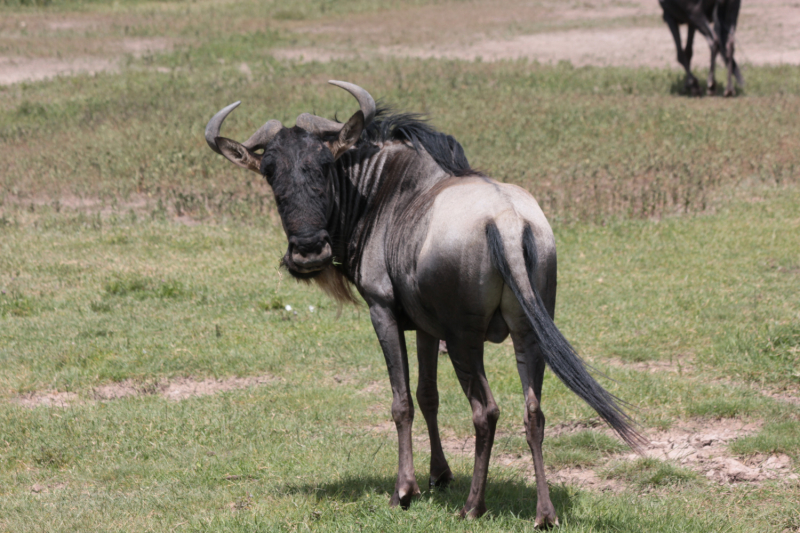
<point x="700" y="15"/>
<point x="386" y="203"/>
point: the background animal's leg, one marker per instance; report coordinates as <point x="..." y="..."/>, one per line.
<point x="699" y="21"/>
<point x="530" y="364"/>
<point x="725" y="23"/>
<point x="467" y="357"/>
<point x="428" y="400"/>
<point x="691" y="82"/>
<point x="394" y="351"/>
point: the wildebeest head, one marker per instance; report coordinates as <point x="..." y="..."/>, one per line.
<point x="297" y="163"/>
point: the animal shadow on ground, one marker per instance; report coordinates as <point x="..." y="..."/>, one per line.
<point x="504" y="498"/>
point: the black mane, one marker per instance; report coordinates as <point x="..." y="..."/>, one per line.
<point x="413" y="127"/>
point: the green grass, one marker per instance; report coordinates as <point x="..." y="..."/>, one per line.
<point x="650" y="472"/>
<point x="676" y="221"/>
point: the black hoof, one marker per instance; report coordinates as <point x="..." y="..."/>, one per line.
<point x="442" y="482"/>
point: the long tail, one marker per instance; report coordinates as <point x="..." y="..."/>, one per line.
<point x="559" y="355"/>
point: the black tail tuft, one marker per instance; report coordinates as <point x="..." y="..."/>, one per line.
<point x="558" y="353"/>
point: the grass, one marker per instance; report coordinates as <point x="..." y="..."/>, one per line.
<point x="129" y="252"/>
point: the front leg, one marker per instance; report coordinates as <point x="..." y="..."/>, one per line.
<point x="393" y="344"/>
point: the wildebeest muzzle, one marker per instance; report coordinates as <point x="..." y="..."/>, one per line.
<point x="309" y="254"/>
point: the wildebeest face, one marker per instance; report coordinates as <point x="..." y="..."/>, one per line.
<point x="299" y="166"/>
<point x="298" y="163"/>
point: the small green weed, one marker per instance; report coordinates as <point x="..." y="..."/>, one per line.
<point x="648" y="471"/>
<point x="141" y="287"/>
<point x="583" y="448"/>
<point x="771" y="353"/>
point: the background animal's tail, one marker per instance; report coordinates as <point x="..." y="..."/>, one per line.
<point x="559" y="355"/>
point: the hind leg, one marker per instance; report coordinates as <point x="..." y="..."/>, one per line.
<point x="467" y="356"/>
<point x="530" y="365"/>
<point x="428" y="401"/>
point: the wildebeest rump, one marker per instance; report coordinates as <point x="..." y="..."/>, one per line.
<point x="716" y="20"/>
<point x="389" y="205"/>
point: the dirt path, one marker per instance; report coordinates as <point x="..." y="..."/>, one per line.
<point x="592" y="32"/>
<point x="598" y="33"/>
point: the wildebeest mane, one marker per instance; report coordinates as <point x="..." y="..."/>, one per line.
<point x="414" y="128"/>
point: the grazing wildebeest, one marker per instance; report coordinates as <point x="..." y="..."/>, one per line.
<point x="699" y="15"/>
<point x="391" y="206"/>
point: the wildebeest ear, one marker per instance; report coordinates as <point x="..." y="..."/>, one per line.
<point x="348" y="135"/>
<point x="238" y="154"/>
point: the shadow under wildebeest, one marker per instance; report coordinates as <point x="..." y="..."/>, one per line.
<point x="504" y="497"/>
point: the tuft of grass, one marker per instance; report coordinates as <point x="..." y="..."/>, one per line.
<point x="583" y="448"/>
<point x="648" y="471"/>
<point x="17" y="305"/>
<point x="141" y="287"/>
<point x="770" y="353"/>
<point x="775" y="437"/>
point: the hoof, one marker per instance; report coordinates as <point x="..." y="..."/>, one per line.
<point x="545" y="522"/>
<point x="692" y="87"/>
<point x="711" y="90"/>
<point x="470" y="513"/>
<point x="729" y="92"/>
<point x="403" y="497"/>
<point x="442" y="481"/>
<point x="545" y="515"/>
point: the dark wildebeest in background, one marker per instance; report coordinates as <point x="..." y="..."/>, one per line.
<point x="699" y="15"/>
<point x="388" y="204"/>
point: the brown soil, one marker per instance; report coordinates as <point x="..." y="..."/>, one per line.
<point x="176" y="389"/>
<point x="592" y="32"/>
<point x="595" y="33"/>
<point x="700" y="445"/>
<point x="679" y="365"/>
<point x="19" y="69"/>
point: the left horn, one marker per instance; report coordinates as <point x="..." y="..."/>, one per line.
<point x="214" y="125"/>
<point x="259" y="139"/>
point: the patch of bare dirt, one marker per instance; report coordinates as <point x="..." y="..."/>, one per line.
<point x="593" y="33"/>
<point x="48" y="399"/>
<point x="176" y="389"/>
<point x="703" y="448"/>
<point x="700" y="445"/>
<point x="679" y="365"/>
<point x="38" y="488"/>
<point x="19" y="69"/>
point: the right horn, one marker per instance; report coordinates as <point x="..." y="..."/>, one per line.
<point x="365" y="100"/>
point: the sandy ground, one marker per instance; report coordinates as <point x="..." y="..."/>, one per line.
<point x="591" y="32"/>
<point x="620" y="34"/>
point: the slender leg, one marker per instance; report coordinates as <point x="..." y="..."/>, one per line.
<point x="467" y="357"/>
<point x="699" y="21"/>
<point x="691" y="82"/>
<point x="530" y="365"/>
<point x="394" y="351"/>
<point x="428" y="401"/>
<point x="725" y="22"/>
<point x="711" y="83"/>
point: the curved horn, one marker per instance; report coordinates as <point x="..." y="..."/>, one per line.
<point x="264" y="135"/>
<point x="259" y="139"/>
<point x="365" y="100"/>
<point x="213" y="126"/>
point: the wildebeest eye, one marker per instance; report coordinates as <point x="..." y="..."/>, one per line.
<point x="268" y="167"/>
